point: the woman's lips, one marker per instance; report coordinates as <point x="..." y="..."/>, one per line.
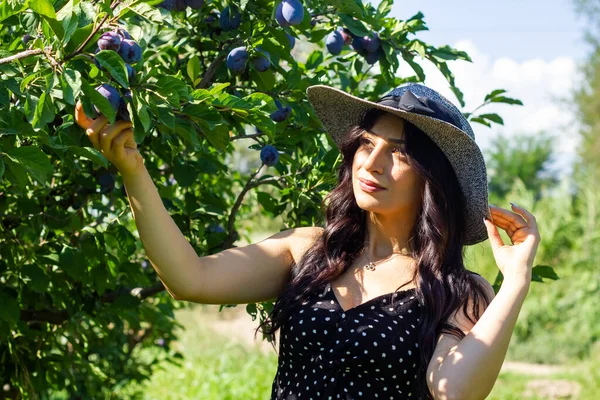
<point x="368" y="188"/>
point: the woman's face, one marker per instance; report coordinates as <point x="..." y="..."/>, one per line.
<point x="381" y="158"/>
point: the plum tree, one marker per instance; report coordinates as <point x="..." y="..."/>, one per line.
<point x="186" y="104"/>
<point x="237" y="59"/>
<point x="269" y="155"/>
<point x="334" y="42"/>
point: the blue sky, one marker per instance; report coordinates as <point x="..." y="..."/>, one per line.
<point x="519" y="29"/>
<point x="532" y="49"/>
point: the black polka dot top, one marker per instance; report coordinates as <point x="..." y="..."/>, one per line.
<point x="369" y="351"/>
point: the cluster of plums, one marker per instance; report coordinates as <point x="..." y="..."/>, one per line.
<point x="130" y="51"/>
<point x="366" y="46"/>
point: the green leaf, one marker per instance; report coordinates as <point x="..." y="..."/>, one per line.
<point x="71" y="85"/>
<point x="384" y="8"/>
<point x="32" y="160"/>
<point x="193" y="69"/>
<point x="43" y="7"/>
<point x="217" y="88"/>
<point x="100" y="101"/>
<point x="543" y="271"/>
<point x="114" y="64"/>
<point x="36" y="278"/>
<point x="10" y="8"/>
<point x="267" y="201"/>
<point x="123" y="237"/>
<point x="90" y="153"/>
<point x="494" y="94"/>
<point x="44" y="111"/>
<point x="349" y="7"/>
<point x="493" y="117"/>
<point x="507" y="100"/>
<point x="314" y="59"/>
<point x="9" y="311"/>
<point x="356" y="26"/>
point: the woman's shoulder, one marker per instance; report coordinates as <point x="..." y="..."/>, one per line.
<point x="303" y="238"/>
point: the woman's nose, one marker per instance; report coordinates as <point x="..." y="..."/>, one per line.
<point x="375" y="160"/>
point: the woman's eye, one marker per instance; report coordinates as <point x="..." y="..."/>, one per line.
<point x="368" y="142"/>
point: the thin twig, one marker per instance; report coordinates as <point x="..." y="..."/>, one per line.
<point x="18" y="56"/>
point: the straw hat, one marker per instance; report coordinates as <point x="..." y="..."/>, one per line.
<point x="433" y="114"/>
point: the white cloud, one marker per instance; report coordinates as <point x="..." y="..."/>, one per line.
<point x="537" y="83"/>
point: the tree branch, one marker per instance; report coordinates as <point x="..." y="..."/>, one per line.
<point x="23" y="54"/>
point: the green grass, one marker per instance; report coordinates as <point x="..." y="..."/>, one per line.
<point x="216" y="367"/>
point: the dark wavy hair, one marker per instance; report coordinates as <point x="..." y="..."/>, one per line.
<point x="437" y="242"/>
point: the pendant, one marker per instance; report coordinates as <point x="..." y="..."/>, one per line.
<point x="370" y="266"/>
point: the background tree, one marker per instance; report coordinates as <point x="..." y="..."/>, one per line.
<point x="76" y="291"/>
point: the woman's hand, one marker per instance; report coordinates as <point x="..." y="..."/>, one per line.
<point x="516" y="261"/>
<point x="114" y="141"/>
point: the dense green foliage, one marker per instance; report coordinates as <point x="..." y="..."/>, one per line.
<point x="78" y="296"/>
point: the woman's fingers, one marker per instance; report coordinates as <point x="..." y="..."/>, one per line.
<point x="493" y="234"/>
<point x="81" y="118"/>
<point x="108" y="134"/>
<point x="513" y="217"/>
<point x="92" y="131"/>
<point x="531" y="221"/>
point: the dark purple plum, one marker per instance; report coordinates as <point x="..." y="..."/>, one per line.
<point x="130" y="72"/>
<point x="230" y="19"/>
<point x="269" y="155"/>
<point x="180" y="5"/>
<point x="292" y="11"/>
<point x="371" y="43"/>
<point x="111" y="94"/>
<point x="168" y="5"/>
<point x="123" y="113"/>
<point x="345" y="34"/>
<point x="292" y="40"/>
<point x="26" y="38"/>
<point x="124" y="34"/>
<point x="236" y="59"/>
<point x="109" y="41"/>
<point x="279" y="16"/>
<point x="371" y="57"/>
<point x="263" y="61"/>
<point x="130" y="51"/>
<point x="194" y="4"/>
<point x="357" y="44"/>
<point x="334" y="42"/>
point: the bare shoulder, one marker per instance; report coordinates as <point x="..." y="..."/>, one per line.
<point x="302" y="239"/>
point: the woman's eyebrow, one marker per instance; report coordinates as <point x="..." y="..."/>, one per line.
<point x="393" y="140"/>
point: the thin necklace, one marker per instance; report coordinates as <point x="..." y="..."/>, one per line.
<point x="371" y="265"/>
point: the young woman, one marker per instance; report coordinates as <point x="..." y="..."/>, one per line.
<point x="377" y="303"/>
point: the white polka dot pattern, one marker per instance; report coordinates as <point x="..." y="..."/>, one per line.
<point x="369" y="351"/>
